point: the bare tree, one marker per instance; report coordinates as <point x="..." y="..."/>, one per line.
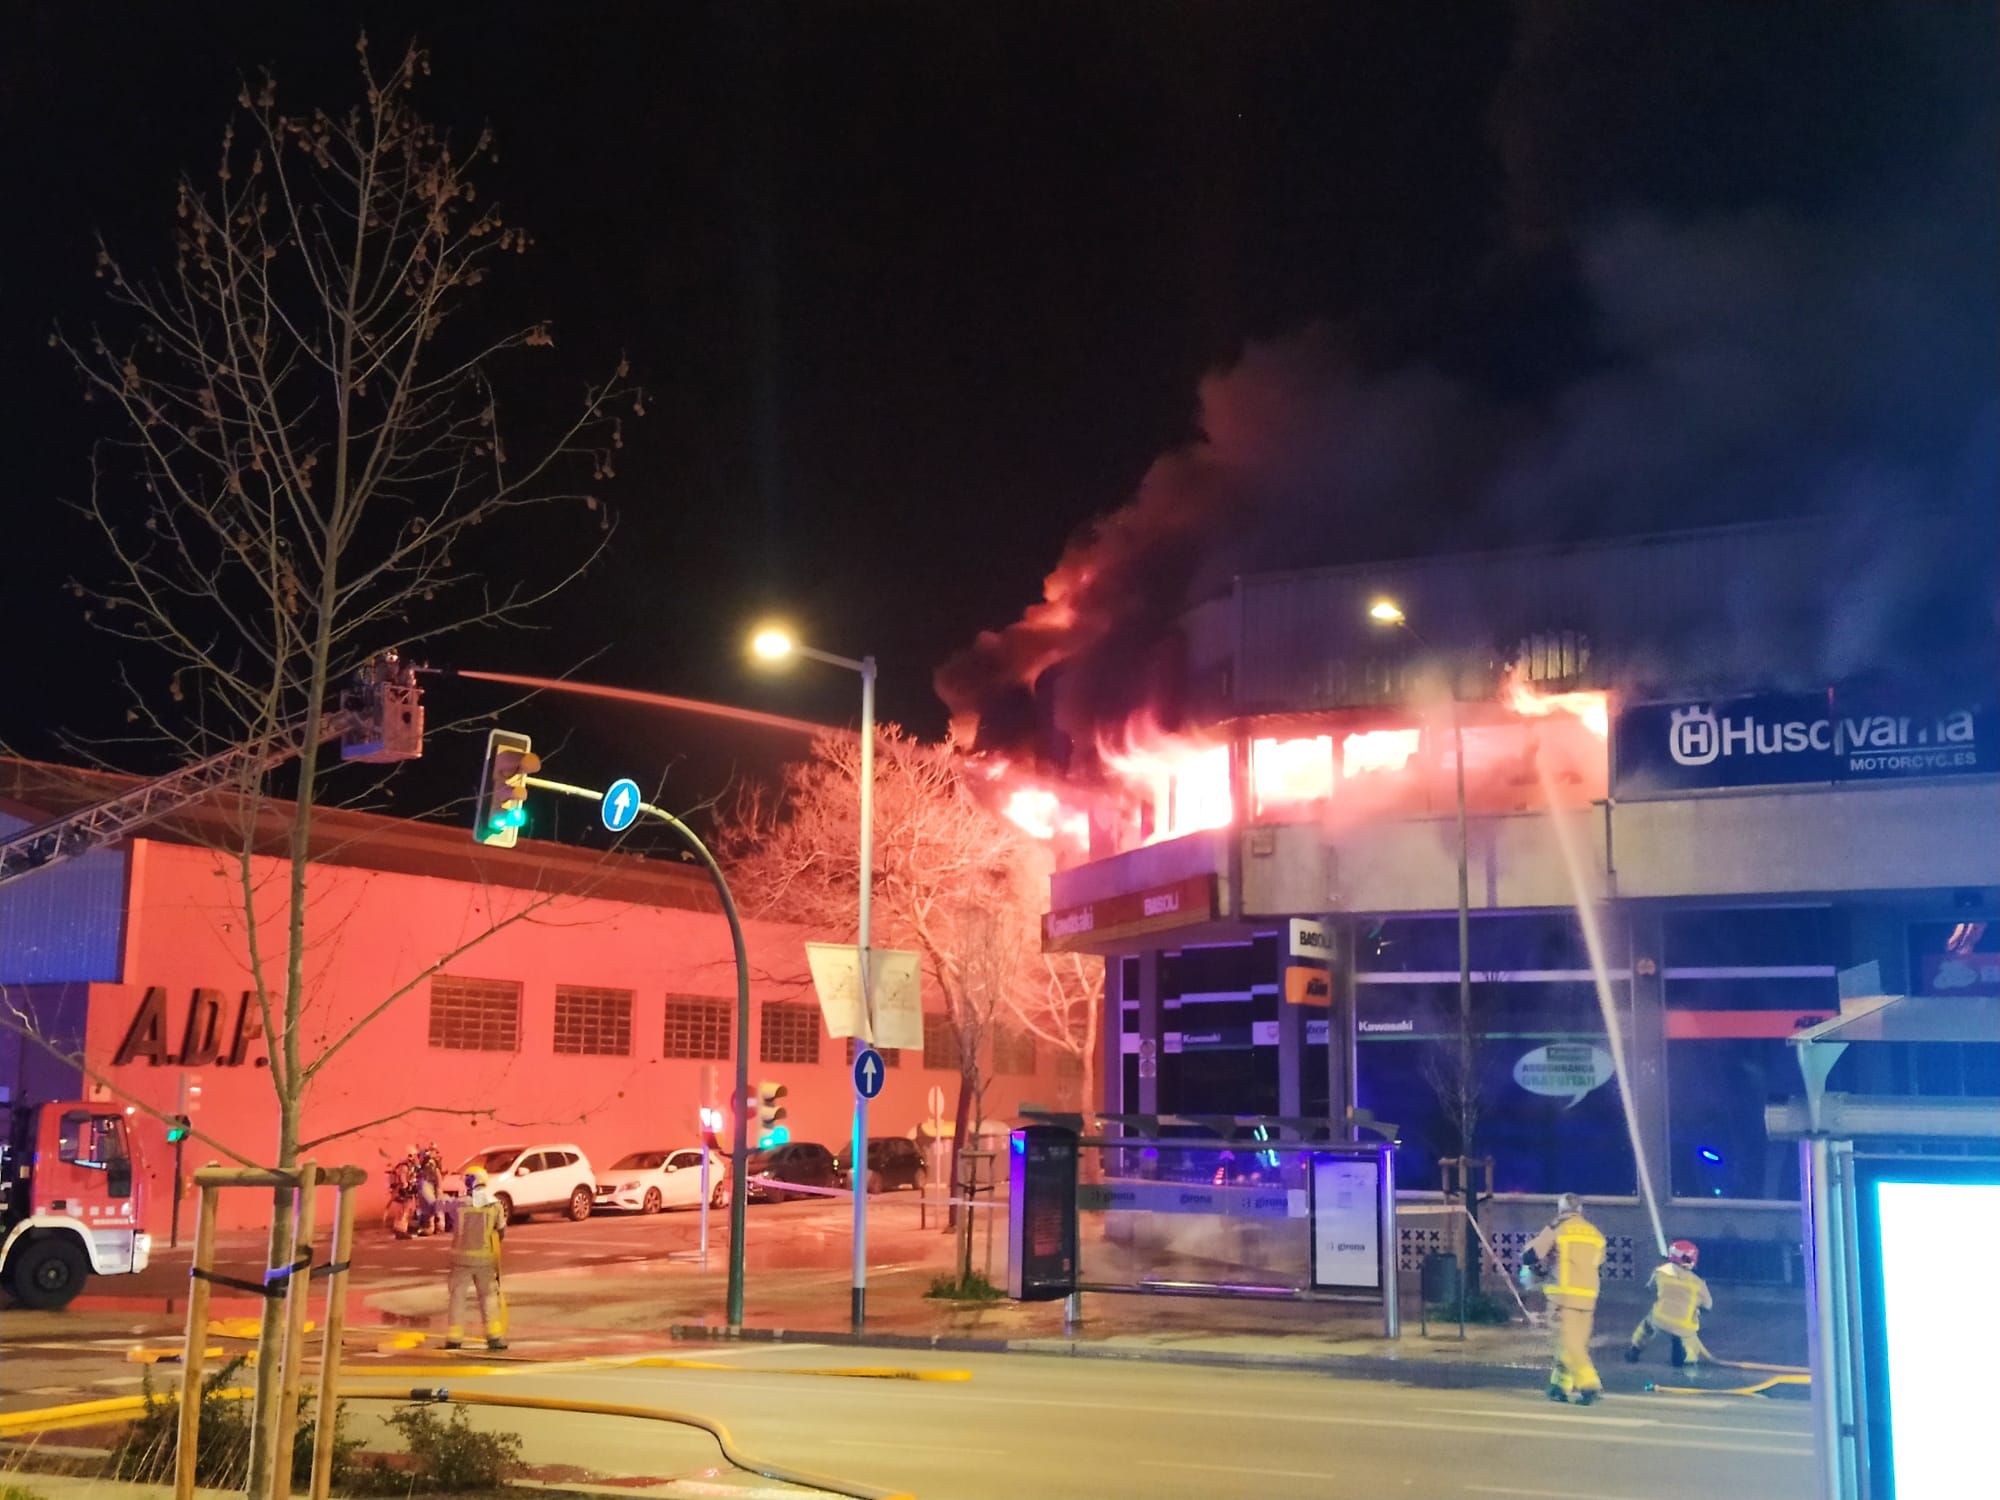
<point x="310" y="442"/>
<point x="1454" y="1069"/>
<point x="946" y="876"/>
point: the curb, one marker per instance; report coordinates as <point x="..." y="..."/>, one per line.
<point x="1435" y="1374"/>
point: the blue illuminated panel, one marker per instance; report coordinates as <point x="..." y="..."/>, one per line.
<point x="1936" y="1325"/>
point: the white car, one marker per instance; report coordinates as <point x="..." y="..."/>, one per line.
<point x="649" y="1181"/>
<point x="536" y="1179"/>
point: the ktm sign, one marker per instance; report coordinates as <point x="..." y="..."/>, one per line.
<point x="207" y="1034"/>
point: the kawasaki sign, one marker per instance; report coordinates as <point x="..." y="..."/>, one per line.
<point x="1776" y="739"/>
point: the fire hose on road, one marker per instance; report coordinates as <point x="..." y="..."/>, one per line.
<point x="98" y="1413"/>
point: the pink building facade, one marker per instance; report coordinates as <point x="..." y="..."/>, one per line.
<point x="587" y="999"/>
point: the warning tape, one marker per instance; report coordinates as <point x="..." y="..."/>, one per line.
<point x="923" y="1199"/>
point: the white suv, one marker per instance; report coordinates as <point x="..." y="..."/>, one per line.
<point x="530" y="1179"/>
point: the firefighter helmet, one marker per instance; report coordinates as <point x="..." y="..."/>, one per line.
<point x="1567" y="1204"/>
<point x="1684" y="1253"/>
<point x="475" y="1176"/>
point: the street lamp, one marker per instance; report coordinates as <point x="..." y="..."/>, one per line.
<point x="1389" y="614"/>
<point x="774" y="643"/>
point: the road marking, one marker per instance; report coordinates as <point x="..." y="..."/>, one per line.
<point x="897" y="1444"/>
<point x="1587" y="1431"/>
<point x="1549" y="1417"/>
<point x="1244" y="1469"/>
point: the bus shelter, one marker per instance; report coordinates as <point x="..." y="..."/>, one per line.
<point x="1901" y="1211"/>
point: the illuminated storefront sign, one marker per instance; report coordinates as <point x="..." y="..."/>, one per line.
<point x="1780" y="739"/>
<point x="1129" y="914"/>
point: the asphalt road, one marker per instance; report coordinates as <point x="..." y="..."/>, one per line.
<point x="1053" y="1427"/>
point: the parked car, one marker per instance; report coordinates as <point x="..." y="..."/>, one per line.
<point x="648" y="1181"/>
<point x="806" y="1163"/>
<point x="894" y="1162"/>
<point x="537" y="1179"/>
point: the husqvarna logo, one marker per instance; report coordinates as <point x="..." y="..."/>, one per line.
<point x="1695" y="738"/>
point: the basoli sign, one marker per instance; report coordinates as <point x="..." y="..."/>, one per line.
<point x="1778" y="739"/>
<point x="214" y="1031"/>
<point x="1129" y="914"/>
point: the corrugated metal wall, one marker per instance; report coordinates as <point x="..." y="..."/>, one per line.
<point x="63" y="925"/>
<point x="1697" y="611"/>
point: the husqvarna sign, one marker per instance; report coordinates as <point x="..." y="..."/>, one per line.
<point x="1778" y="739"/>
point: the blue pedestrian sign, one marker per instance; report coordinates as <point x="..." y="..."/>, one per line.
<point x="868" y="1072"/>
<point x="621" y="804"/>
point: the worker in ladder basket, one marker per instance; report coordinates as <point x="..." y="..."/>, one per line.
<point x="475" y="1264"/>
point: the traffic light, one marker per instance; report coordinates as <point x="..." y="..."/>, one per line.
<point x="178" y="1127"/>
<point x="503" y="789"/>
<point x="711" y="1126"/>
<point x="771" y="1114"/>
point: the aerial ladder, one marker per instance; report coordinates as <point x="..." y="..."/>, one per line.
<point x="379" y="720"/>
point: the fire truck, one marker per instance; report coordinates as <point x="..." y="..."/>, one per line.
<point x="72" y="1199"/>
<point x="72" y="1177"/>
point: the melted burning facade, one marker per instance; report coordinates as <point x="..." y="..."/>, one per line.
<point x="1780" y="755"/>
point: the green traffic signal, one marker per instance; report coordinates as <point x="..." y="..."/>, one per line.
<point x="503" y="788"/>
<point x="178" y="1129"/>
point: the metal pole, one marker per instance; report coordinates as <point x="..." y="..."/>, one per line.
<point x="298" y="1295"/>
<point x="704" y="1204"/>
<point x="739" y="1176"/>
<point x="332" y="1322"/>
<point x="1389" y="1247"/>
<point x="858" y="1176"/>
<point x="1467" y="1080"/>
<point x="180" y="1189"/>
<point x="195" y="1349"/>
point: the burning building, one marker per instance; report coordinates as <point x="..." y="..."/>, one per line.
<point x="1772" y="761"/>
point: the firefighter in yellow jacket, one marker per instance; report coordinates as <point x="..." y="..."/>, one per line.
<point x="475" y="1264"/>
<point x="1679" y="1295"/>
<point x="1565" y="1259"/>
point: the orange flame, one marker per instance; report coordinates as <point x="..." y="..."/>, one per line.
<point x="1182" y="782"/>
<point x="1041" y="814"/>
<point x="1593" y="710"/>
<point x="1378" y="750"/>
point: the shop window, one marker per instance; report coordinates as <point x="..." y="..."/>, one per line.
<point x="1738" y="982"/>
<point x="1548" y="1108"/>
<point x="1013" y="1053"/>
<point x="1498" y="945"/>
<point x="789" y="1033"/>
<point x="1749" y="937"/>
<point x="940" y="1041"/>
<point x="1069" y="1066"/>
<point x="891" y="1056"/>
<point x="1955" y="958"/>
<point x="475" y="1015"/>
<point x="593" y="1022"/>
<point x="1716" y="1093"/>
<point x="697" y="1026"/>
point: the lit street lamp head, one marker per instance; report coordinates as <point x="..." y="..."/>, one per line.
<point x="1385" y="612"/>
<point x="772" y="643"/>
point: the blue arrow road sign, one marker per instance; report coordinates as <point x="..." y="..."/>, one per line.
<point x="868" y="1072"/>
<point x="621" y="804"/>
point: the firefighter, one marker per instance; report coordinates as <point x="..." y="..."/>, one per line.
<point x="1679" y="1295"/>
<point x="475" y="1264"/>
<point x="1565" y="1259"/>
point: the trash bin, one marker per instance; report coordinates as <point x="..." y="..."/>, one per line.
<point x="1440" y="1279"/>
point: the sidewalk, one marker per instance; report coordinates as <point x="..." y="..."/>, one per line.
<point x="626" y="1309"/>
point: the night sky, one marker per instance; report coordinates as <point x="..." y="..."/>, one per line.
<point x="919" y="290"/>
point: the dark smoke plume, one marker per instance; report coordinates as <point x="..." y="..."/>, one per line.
<point x="1821" y="344"/>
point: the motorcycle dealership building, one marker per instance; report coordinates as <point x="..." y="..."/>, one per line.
<point x="589" y="999"/>
<point x="1775" y="773"/>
